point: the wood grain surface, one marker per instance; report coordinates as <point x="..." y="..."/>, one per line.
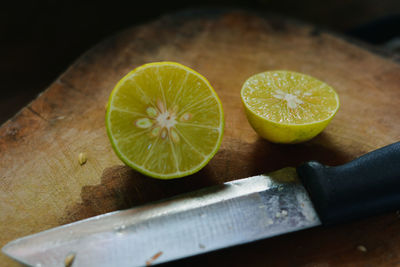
<point x="42" y="185"/>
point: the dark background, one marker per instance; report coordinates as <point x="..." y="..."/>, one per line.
<point x="40" y="39"/>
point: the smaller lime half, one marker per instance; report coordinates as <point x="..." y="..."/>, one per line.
<point x="288" y="107"/>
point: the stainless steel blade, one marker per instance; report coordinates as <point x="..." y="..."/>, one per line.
<point x="233" y="213"/>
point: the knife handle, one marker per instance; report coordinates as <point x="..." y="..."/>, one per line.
<point x="366" y="186"/>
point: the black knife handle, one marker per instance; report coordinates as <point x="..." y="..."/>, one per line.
<point x="366" y="186"/>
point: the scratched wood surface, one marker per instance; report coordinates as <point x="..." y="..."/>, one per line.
<point x="42" y="185"/>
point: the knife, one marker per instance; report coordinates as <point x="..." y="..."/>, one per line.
<point x="229" y="214"/>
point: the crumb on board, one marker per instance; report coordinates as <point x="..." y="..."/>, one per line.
<point x="362" y="248"/>
<point x="69" y="260"/>
<point x="82" y="158"/>
<point x="282" y="213"/>
<point x="153" y="258"/>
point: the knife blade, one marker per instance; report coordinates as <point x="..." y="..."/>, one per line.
<point x="232" y="213"/>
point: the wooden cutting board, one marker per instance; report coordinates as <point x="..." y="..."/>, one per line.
<point x="42" y="185"/>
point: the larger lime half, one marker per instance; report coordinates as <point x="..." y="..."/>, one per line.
<point x="164" y="120"/>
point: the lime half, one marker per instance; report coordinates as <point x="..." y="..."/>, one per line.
<point x="164" y="120"/>
<point x="288" y="107"/>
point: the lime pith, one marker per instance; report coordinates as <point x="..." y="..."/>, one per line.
<point x="164" y="120"/>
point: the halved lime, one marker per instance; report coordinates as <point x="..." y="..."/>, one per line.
<point x="164" y="120"/>
<point x="288" y="107"/>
